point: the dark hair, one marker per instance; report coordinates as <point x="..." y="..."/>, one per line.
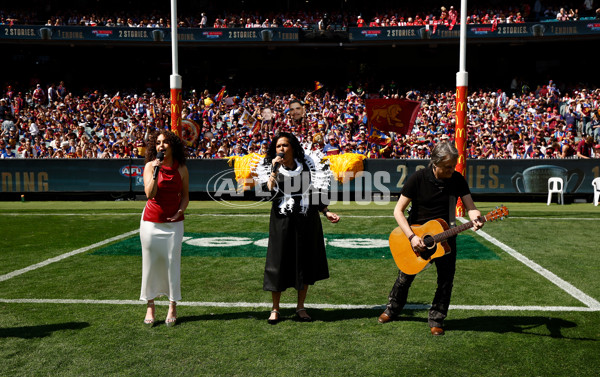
<point x="297" y="101"/>
<point x="174" y="142"/>
<point x="296" y="147"/>
<point x="443" y="151"/>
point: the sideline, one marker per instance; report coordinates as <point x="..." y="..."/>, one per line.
<point x="267" y="215"/>
<point x="590" y="302"/>
<point x="292" y="306"/>
<point x="66" y="255"/>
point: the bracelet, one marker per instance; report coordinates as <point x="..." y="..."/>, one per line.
<point x="411" y="237"/>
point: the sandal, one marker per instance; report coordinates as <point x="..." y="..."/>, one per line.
<point x="276" y="320"/>
<point x="305" y="318"/>
<point x="149" y="321"/>
<point x="171" y="321"/>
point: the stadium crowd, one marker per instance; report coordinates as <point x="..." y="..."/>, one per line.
<point x="51" y="122"/>
<point x="510" y="12"/>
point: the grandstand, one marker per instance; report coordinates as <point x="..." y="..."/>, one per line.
<point x="429" y="64"/>
<point x="517" y="77"/>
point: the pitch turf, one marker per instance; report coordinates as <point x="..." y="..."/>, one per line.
<point x="525" y="301"/>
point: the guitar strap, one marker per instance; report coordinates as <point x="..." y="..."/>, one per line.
<point x="452" y="211"/>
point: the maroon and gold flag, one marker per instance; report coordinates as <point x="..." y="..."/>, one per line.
<point x="392" y="115"/>
<point x="379" y="137"/>
<point x="219" y="96"/>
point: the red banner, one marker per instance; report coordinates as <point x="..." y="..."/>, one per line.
<point x="393" y="115"/>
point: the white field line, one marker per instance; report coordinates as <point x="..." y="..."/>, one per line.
<point x="592" y="304"/>
<point x="291" y="306"/>
<point x="553" y="278"/>
<point x="65" y="255"/>
<point x="267" y="215"/>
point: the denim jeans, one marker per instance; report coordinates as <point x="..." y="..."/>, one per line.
<point x="446" y="267"/>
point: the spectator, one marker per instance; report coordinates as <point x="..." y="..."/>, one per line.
<point x="264" y="146"/>
<point x="203" y="20"/>
<point x="585" y="147"/>
<point x="562" y="15"/>
<point x="567" y="147"/>
<point x="595" y="127"/>
<point x="360" y="22"/>
<point x="38" y="95"/>
<point x="415" y="15"/>
<point x="4" y="110"/>
<point x="537" y="9"/>
<point x="8" y="152"/>
<point x="332" y="147"/>
<point x="498" y="128"/>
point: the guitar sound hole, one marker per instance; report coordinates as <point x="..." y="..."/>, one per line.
<point x="430" y="244"/>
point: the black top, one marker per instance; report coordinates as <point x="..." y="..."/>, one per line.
<point x="431" y="196"/>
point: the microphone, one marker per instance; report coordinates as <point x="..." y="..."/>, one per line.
<point x="278" y="164"/>
<point x="160" y="156"/>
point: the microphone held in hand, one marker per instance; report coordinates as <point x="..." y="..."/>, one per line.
<point x="278" y="164"/>
<point x="159" y="156"/>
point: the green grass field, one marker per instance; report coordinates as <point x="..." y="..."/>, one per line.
<point x="525" y="299"/>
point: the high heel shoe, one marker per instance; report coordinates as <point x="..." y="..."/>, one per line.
<point x="171" y="321"/>
<point x="276" y="320"/>
<point x="149" y="321"/>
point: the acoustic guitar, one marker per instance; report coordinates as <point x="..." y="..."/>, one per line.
<point x="434" y="234"/>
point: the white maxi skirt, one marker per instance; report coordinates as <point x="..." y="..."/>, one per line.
<point x="161" y="260"/>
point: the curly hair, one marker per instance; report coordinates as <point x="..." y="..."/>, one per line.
<point x="174" y="142"/>
<point x="297" y="148"/>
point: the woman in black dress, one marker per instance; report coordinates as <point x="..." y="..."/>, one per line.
<point x="296" y="251"/>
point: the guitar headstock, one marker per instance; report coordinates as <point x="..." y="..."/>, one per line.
<point x="499" y="213"/>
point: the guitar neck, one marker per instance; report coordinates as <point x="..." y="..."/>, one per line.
<point x="454" y="231"/>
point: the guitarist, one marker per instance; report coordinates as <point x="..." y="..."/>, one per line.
<point x="432" y="192"/>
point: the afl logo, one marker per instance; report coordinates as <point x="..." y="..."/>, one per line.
<point x="132" y="171"/>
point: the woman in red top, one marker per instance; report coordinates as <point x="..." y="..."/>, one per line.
<point x="166" y="183"/>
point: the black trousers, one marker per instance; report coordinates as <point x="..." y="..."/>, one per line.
<point x="446" y="267"/>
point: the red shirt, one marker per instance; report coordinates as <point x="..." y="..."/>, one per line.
<point x="168" y="196"/>
<point x="584" y="148"/>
